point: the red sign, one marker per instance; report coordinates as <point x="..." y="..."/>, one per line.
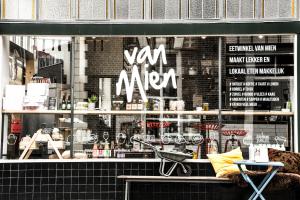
<point x="207" y="126"/>
<point x="234" y="132"/>
<point x="157" y="124"/>
<point x="16" y="126"/>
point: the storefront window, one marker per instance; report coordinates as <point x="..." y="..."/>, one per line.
<point x="258" y="80"/>
<point x="208" y="94"/>
<point x="37" y="97"/>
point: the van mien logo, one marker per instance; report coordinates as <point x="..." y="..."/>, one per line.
<point x="153" y="78"/>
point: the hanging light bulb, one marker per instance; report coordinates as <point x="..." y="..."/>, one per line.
<point x="44" y="45"/>
<point x="69" y="46"/>
<point x="53" y="42"/>
<point x="59" y="45"/>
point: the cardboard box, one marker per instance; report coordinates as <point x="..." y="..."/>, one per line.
<point x="15" y="91"/>
<point x="12" y="103"/>
<point x="38" y="89"/>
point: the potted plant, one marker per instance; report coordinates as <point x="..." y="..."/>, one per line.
<point x="92" y="102"/>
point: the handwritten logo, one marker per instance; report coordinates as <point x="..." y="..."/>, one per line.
<point x="153" y="78"/>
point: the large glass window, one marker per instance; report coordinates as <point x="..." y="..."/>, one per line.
<point x="210" y="111"/>
<point x="207" y="94"/>
<point x="258" y="91"/>
<point x="37" y="97"/>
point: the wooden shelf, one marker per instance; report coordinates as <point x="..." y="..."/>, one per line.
<point x="36" y="111"/>
<point x="124" y="112"/>
<point x="257" y="113"/>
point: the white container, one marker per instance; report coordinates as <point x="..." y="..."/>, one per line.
<point x="38" y="89"/>
<point x="251" y="152"/>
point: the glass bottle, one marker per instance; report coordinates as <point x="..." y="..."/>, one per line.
<point x="69" y="103"/>
<point x="63" y="103"/>
<point x="95" y="151"/>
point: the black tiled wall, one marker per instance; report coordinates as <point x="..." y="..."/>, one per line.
<point x="98" y="180"/>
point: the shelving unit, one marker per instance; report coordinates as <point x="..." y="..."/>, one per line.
<point x="124" y="112"/>
<point x="36" y="112"/>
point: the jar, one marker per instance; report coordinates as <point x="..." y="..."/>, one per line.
<point x="172" y="105"/>
<point x="192" y="71"/>
<point x="180" y="105"/>
<point x="156" y="104"/>
<point x="205" y="106"/>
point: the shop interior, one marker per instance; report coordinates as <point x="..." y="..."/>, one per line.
<point x="200" y="94"/>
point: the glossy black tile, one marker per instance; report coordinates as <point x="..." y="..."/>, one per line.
<point x="57" y="181"/>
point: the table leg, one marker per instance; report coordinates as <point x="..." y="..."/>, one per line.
<point x="248" y="180"/>
<point x="258" y="190"/>
<point x="265" y="182"/>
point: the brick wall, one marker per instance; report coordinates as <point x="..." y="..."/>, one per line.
<point x="54" y="72"/>
<point x="206" y="82"/>
<point x="104" y="60"/>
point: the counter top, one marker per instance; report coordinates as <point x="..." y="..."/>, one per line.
<point x="97" y="160"/>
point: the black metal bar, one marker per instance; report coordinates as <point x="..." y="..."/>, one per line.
<point x="298" y="90"/>
<point x="188" y="28"/>
<point x="220" y="93"/>
<point x="72" y="65"/>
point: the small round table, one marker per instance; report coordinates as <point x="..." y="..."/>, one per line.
<point x="271" y="173"/>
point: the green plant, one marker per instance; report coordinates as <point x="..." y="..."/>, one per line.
<point x="93" y="99"/>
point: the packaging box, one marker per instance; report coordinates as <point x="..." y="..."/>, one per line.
<point x="36" y="102"/>
<point x="14" y="95"/>
<point x="38" y="89"/>
<point x="15" y="91"/>
<point x="12" y="103"/>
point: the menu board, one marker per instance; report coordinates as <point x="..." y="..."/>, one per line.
<point x="257" y="75"/>
<point x="253" y="93"/>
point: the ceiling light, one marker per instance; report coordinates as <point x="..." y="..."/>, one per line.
<point x="59" y="45"/>
<point x="53" y="42"/>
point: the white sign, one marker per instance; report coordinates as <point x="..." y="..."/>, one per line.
<point x="152" y="78"/>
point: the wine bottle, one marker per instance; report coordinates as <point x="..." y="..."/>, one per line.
<point x="69" y="103"/>
<point x="63" y="103"/>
